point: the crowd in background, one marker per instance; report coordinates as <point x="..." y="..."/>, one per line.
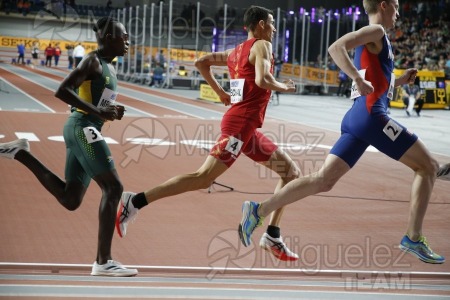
<point x="421" y="38"/>
<point x="51" y="53"/>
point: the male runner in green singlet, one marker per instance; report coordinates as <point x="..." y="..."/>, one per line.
<point x="91" y="91"/>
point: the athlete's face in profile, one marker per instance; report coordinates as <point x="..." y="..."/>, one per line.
<point x="269" y="29"/>
<point x="391" y="12"/>
<point x="117" y="40"/>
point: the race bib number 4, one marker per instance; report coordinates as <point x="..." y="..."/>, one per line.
<point x="108" y="98"/>
<point x="234" y="145"/>
<point x="92" y="135"/>
<point x="392" y="130"/>
<point x="236" y="90"/>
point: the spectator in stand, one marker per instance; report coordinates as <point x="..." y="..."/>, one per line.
<point x="277" y="65"/>
<point x="318" y="63"/>
<point x="406" y="9"/>
<point x="422" y="41"/>
<point x="153" y="62"/>
<point x="49" y="52"/>
<point x="21" y="51"/>
<point x="344" y="84"/>
<point x="412" y="96"/>
<point x="57" y="54"/>
<point x="160" y="59"/>
<point x="78" y="54"/>
<point x="157" y="76"/>
<point x="6" y="6"/>
<point x="57" y="8"/>
<point x="26" y="8"/>
<point x="441" y="62"/>
<point x="421" y="11"/>
<point x="69" y="49"/>
<point x="447" y="68"/>
<point x="119" y="63"/>
<point x="19" y="6"/>
<point x="331" y="64"/>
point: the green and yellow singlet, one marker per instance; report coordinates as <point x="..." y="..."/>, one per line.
<point x="100" y="92"/>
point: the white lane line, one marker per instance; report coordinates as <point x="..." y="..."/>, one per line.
<point x="26" y="94"/>
<point x="144" y="94"/>
<point x="168" y="100"/>
<point x="58" y="82"/>
<point x="27" y="135"/>
<point x="137" y="109"/>
<point x="430" y="284"/>
<point x="60" y="138"/>
<point x="268" y="271"/>
<point x="29" y="79"/>
<point x="68" y="291"/>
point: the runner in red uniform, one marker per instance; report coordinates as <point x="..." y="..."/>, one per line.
<point x="246" y="114"/>
<point x="250" y="66"/>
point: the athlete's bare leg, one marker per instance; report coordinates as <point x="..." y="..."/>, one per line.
<point x="425" y="168"/>
<point x="322" y="181"/>
<point x="287" y="169"/>
<point x="201" y="179"/>
<point x="112" y="189"/>
<point x="70" y="194"/>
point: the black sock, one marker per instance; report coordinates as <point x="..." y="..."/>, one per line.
<point x="139" y="200"/>
<point x="273" y="231"/>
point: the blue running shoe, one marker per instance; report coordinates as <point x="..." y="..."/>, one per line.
<point x="421" y="249"/>
<point x="250" y="220"/>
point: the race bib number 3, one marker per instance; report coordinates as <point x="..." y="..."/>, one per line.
<point x="234" y="145"/>
<point x="92" y="135"/>
<point x="392" y="130"/>
<point x="236" y="90"/>
<point x="108" y="98"/>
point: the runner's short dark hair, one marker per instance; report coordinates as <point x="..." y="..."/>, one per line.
<point x="254" y="14"/>
<point x="104" y="24"/>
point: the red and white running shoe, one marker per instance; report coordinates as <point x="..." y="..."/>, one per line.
<point x="277" y="247"/>
<point x="126" y="213"/>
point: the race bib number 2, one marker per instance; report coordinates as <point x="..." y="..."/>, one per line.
<point x="392" y="130"/>
<point x="92" y="135"/>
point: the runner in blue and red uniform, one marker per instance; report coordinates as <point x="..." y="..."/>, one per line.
<point x="251" y="71"/>
<point x="366" y="123"/>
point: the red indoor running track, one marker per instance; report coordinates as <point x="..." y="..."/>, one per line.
<point x="187" y="246"/>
